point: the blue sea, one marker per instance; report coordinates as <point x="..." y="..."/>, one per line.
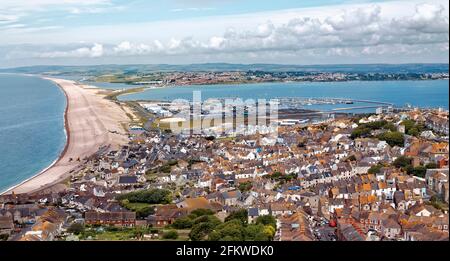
<point x="31" y="127"/>
<point x="416" y="93"/>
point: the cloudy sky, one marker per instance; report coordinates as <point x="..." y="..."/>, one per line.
<point x="77" y="32"/>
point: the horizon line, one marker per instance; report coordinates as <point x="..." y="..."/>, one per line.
<point x="223" y="63"/>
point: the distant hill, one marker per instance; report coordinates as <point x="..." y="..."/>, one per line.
<point x="142" y="68"/>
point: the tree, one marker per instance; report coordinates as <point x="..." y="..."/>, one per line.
<point x="267" y="220"/>
<point x="409" y="169"/>
<point x="165" y="169"/>
<point x="375" y="169"/>
<point x="390" y="126"/>
<point x="431" y="165"/>
<point x="419" y="171"/>
<point x="437" y="202"/>
<point x="276" y="175"/>
<point x="201" y="212"/>
<point x="241" y="215"/>
<point x="182" y="223"/>
<point x="139" y="232"/>
<point x="202" y="229"/>
<point x="269" y="231"/>
<point x="409" y="124"/>
<point x="376" y="125"/>
<point x="360" y="131"/>
<point x="152" y="196"/>
<point x="206" y="219"/>
<point x="365" y="129"/>
<point x="76" y="228"/>
<point x="402" y="161"/>
<point x="393" y="138"/>
<point x="171" y="234"/>
<point x="420" y="127"/>
<point x="145" y="212"/>
<point x="289" y="177"/>
<point x="414" y="132"/>
<point x="245" y="186"/>
<point x="209" y="227"/>
<point x="258" y="232"/>
<point x="229" y="231"/>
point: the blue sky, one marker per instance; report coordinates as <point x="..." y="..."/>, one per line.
<point x="241" y="31"/>
<point x="123" y="11"/>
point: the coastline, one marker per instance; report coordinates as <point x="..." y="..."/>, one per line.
<point x="85" y="133"/>
<point x="61" y="154"/>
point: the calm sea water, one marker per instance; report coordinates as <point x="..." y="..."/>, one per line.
<point x="31" y="127"/>
<point x="417" y="93"/>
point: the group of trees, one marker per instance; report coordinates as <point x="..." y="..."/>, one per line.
<point x="164" y="168"/>
<point x="393" y="138"/>
<point x="205" y="226"/>
<point x="375" y="169"/>
<point x="167" y="167"/>
<point x="412" y="128"/>
<point x="108" y="232"/>
<point x="192" y="219"/>
<point x="142" y="210"/>
<point x="151" y="196"/>
<point x="245" y="186"/>
<point x="236" y="228"/>
<point x="171" y="234"/>
<point x="365" y="129"/>
<point x="278" y="176"/>
<point x="437" y="202"/>
<point x="406" y="164"/>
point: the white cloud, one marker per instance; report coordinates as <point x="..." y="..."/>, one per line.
<point x="127" y="48"/>
<point x="216" y="42"/>
<point x="8" y="18"/>
<point x="356" y="31"/>
<point x="95" y="51"/>
<point x="361" y="27"/>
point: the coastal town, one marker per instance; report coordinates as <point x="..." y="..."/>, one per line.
<point x="357" y="177"/>
<point x="224" y="129"/>
<point x="179" y="78"/>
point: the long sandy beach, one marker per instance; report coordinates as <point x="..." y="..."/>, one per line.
<point x="91" y="122"/>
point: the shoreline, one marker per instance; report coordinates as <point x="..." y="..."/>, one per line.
<point x="66" y="144"/>
<point x="88" y="120"/>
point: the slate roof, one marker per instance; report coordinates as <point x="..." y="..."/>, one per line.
<point x="128" y="180"/>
